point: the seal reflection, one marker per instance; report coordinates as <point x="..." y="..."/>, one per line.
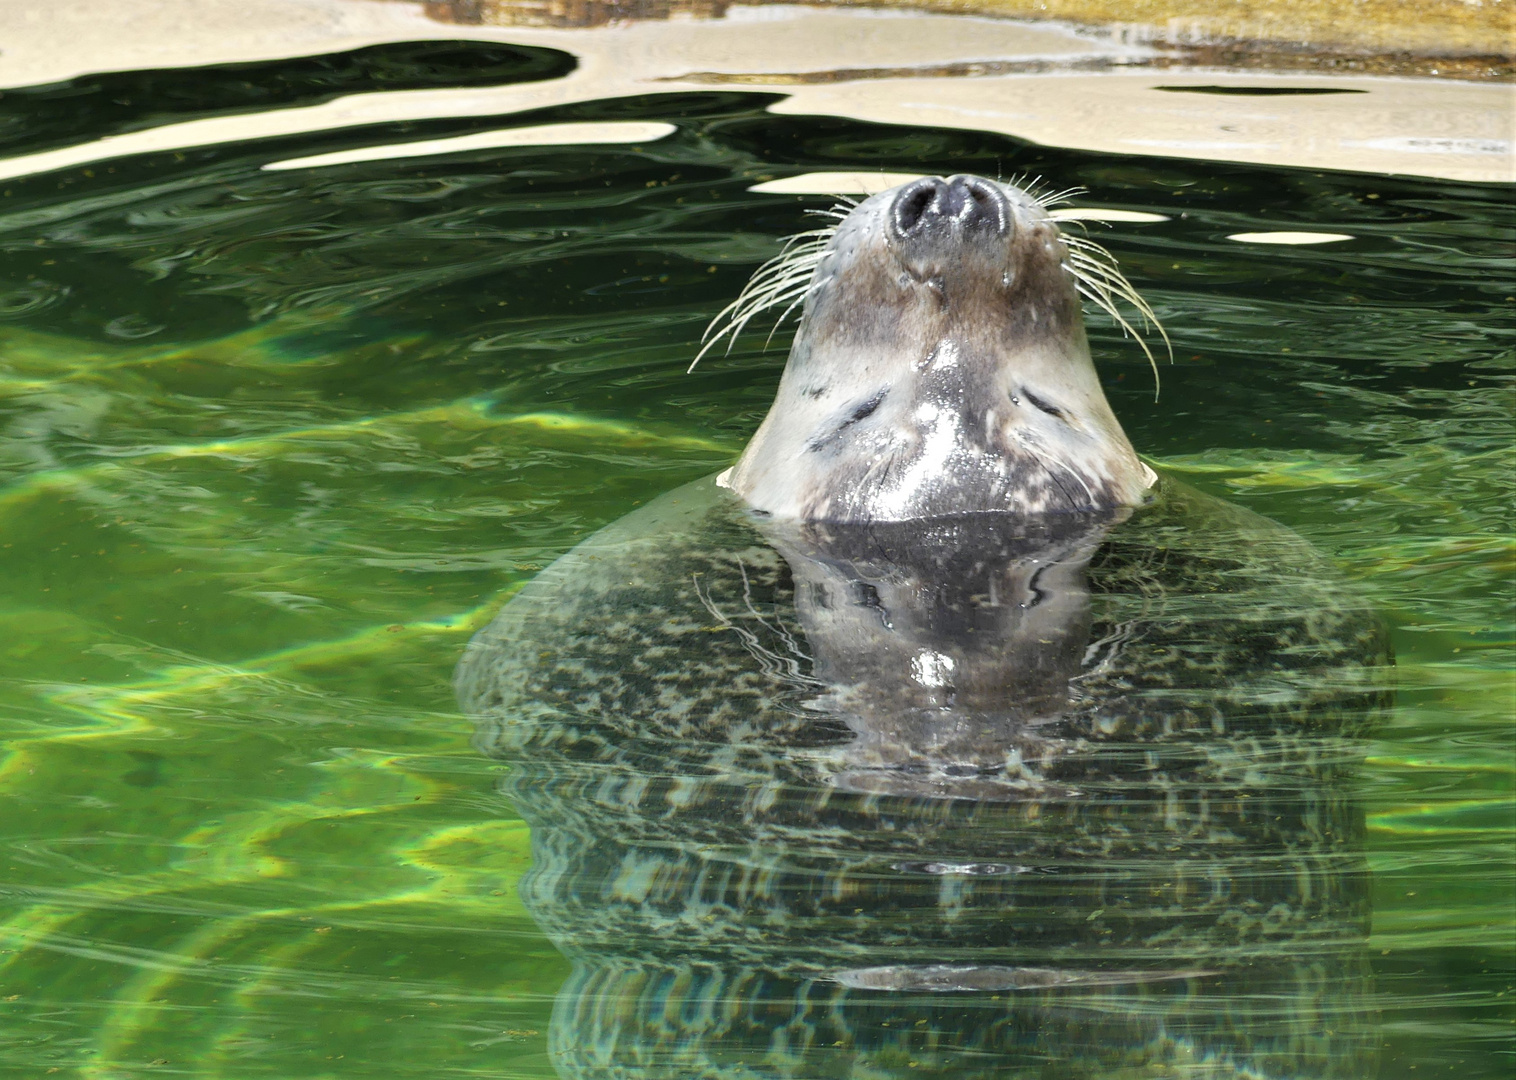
<point x="987" y="796"/>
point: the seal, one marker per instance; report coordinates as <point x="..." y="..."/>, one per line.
<point x="941" y="740"/>
<point x="941" y="367"/>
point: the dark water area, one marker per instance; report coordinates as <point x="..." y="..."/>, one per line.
<point x="275" y="445"/>
<point x="34" y="118"/>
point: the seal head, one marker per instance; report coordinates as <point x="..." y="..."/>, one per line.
<point x="941" y="367"/>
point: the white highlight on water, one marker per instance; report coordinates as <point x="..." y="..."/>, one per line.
<point x="1289" y="237"/>
<point x="586" y="134"/>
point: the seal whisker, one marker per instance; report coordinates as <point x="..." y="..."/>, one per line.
<point x="780" y="282"/>
<point x="1055" y="198"/>
<point x="839" y="210"/>
<point x="1097" y="295"/>
<point x="1033" y="186"/>
<point x="1089" y="492"/>
<point x="800" y="296"/>
<point x="1119" y="287"/>
<point x="1026" y="182"/>
<point x="1113" y="281"/>
<point x="775" y="293"/>
<point x="739" y="320"/>
<point x="1099" y="280"/>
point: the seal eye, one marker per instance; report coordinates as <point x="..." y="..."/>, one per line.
<point x="866" y="409"/>
<point x="861" y="412"/>
<point x="1052" y="410"/>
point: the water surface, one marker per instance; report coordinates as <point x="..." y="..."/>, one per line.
<point x="275" y="444"/>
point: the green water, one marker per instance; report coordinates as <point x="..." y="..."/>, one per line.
<point x="274" y="445"/>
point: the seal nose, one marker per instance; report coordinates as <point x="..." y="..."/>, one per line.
<point x="963" y="204"/>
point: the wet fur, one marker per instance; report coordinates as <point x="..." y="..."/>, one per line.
<point x="952" y="342"/>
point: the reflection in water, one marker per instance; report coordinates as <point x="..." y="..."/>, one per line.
<point x="973" y="797"/>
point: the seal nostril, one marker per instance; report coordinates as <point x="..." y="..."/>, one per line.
<point x="961" y="204"/>
<point x="980" y="204"/>
<point x="916" y="202"/>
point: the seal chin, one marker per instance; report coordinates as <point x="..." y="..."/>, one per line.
<point x="941" y="367"/>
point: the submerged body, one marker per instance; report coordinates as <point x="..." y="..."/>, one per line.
<point x="998" y="799"/>
<point x="941" y="738"/>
